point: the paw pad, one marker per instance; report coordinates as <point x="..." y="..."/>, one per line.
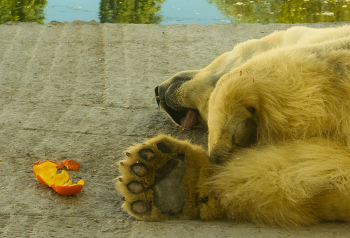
<point x="136" y="187"/>
<point x="140" y="207"/>
<point x="163" y="148"/>
<point x="139" y="169"/>
<point x="146" y="154"/>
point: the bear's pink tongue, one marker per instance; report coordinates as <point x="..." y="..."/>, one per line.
<point x="190" y="120"/>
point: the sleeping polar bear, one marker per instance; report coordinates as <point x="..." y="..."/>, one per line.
<point x="278" y="114"/>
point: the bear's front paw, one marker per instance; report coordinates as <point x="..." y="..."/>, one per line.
<point x="159" y="179"/>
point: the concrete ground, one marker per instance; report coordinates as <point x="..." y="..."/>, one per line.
<point x="85" y="91"/>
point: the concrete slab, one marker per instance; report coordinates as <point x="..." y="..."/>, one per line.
<point x="63" y="88"/>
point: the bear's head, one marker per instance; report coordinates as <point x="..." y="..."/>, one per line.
<point x="185" y="97"/>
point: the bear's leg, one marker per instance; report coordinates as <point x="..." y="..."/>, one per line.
<point x="160" y="179"/>
<point x="295" y="184"/>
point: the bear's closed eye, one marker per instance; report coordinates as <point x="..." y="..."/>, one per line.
<point x="251" y="110"/>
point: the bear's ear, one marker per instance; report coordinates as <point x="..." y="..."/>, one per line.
<point x="245" y="133"/>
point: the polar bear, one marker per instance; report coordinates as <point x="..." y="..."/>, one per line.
<point x="277" y="110"/>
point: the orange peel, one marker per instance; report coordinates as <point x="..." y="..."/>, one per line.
<point x="46" y="173"/>
<point x="70" y="164"/>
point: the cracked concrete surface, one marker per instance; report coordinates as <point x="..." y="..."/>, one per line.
<point x="85" y="91"/>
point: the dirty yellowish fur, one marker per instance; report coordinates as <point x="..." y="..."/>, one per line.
<point x="297" y="184"/>
<point x="297" y="92"/>
<point x="285" y="98"/>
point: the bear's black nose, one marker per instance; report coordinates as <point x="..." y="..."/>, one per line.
<point x="157" y="95"/>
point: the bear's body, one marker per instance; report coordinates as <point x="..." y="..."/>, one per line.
<point x="278" y="115"/>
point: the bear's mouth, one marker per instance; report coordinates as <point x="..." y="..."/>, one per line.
<point x="187" y="118"/>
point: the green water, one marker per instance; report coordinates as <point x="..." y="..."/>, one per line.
<point x="22" y="10"/>
<point x="151" y="11"/>
<point x="284" y="11"/>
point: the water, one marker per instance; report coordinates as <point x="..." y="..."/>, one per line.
<point x="167" y="12"/>
<point x="70" y="10"/>
<point x="170" y="12"/>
